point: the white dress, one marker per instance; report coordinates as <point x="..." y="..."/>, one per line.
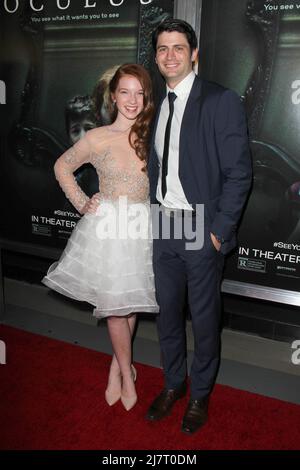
<point x="108" y="258"/>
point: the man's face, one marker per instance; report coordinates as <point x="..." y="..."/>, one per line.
<point x="174" y="57"/>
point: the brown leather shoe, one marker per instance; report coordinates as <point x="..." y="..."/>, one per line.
<point x="195" y="415"/>
<point x="164" y="402"/>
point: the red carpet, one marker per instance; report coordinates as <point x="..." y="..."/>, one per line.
<point x="52" y="398"/>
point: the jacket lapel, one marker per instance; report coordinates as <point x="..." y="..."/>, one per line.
<point x="188" y="119"/>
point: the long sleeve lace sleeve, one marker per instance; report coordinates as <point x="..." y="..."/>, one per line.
<point x="64" y="169"/>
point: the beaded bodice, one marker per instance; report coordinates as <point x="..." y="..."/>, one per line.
<point x="119" y="169"/>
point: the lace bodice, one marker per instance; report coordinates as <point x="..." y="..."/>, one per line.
<point x="119" y="169"/>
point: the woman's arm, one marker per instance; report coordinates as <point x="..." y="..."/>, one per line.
<point x="64" y="169"/>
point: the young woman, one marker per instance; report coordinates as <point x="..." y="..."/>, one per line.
<point x="108" y="259"/>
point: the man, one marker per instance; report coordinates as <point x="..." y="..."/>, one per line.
<point x="199" y="155"/>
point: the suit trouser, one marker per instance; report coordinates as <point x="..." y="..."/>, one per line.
<point x="200" y="271"/>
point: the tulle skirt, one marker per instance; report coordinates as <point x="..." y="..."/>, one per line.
<point x="108" y="261"/>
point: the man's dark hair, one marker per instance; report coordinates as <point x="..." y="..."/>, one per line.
<point x="180" y="26"/>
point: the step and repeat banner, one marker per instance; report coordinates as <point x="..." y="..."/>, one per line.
<point x="253" y="47"/>
<point x="53" y="55"/>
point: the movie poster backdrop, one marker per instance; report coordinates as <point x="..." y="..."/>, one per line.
<point x="253" y="47"/>
<point x="53" y="53"/>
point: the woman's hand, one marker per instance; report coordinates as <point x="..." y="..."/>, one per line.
<point x="215" y="242"/>
<point x="92" y="204"/>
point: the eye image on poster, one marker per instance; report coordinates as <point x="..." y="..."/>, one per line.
<point x="56" y="61"/>
<point x="253" y="48"/>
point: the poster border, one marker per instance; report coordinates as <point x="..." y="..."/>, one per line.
<point x="256" y="291"/>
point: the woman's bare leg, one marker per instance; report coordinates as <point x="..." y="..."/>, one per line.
<point x="120" y="331"/>
<point x="114" y="367"/>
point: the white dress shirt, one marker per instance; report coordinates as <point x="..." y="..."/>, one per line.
<point x="175" y="197"/>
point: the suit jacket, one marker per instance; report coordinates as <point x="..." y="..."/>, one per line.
<point x="214" y="157"/>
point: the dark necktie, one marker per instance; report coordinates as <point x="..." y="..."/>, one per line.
<point x="171" y="97"/>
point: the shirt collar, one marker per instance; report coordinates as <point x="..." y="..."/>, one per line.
<point x="184" y="87"/>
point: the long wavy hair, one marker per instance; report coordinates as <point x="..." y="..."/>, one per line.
<point x="139" y="136"/>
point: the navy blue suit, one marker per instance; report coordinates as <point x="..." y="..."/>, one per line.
<point x="214" y="170"/>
